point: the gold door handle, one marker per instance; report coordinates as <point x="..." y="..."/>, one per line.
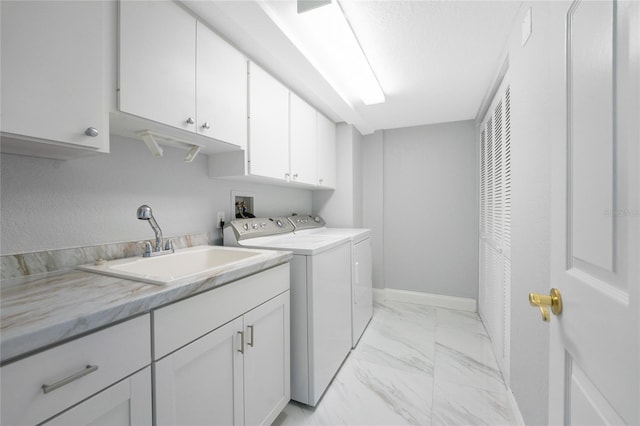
<point x="544" y="302"/>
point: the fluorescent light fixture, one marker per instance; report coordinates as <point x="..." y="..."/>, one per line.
<point x="325" y="37"/>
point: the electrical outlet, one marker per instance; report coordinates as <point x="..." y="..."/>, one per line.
<point x="219" y="219"/>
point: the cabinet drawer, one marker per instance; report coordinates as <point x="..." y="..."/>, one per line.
<point x="180" y="323"/>
<point x="116" y="351"/>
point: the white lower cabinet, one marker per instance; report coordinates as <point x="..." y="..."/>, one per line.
<point x="201" y="384"/>
<point x="266" y="361"/>
<point x="237" y="374"/>
<point x="123" y="404"/>
<point x="223" y="357"/>
<point x="93" y="374"/>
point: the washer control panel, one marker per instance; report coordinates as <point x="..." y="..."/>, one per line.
<point x="260" y="227"/>
<point x="301" y="222"/>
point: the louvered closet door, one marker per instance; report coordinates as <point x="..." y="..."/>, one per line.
<point x="495" y="225"/>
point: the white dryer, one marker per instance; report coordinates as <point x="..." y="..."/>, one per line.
<point x="361" y="267"/>
<point x="320" y="298"/>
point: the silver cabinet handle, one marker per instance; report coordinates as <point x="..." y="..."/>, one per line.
<point x="60" y="383"/>
<point x="206" y="125"/>
<point x="295" y="176"/>
<point x="286" y="175"/>
<point x="189" y="120"/>
<point x="250" y="327"/>
<point x="241" y="350"/>
<point x="91" y="131"/>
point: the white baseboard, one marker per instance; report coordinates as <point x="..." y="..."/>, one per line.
<point x="438" y="300"/>
<point x="378" y="295"/>
<point x="517" y="415"/>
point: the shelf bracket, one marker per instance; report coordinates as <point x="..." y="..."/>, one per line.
<point x="153" y="140"/>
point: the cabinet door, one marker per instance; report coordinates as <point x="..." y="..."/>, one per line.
<point x="268" y="125"/>
<point x="267" y="362"/>
<point x="326" y="152"/>
<point x="52" y="71"/>
<point x="302" y="121"/>
<point x="202" y="382"/>
<point x="158" y="62"/>
<point x="125" y="403"/>
<point x="221" y="94"/>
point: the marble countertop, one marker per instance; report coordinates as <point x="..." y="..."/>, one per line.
<point x="48" y="309"/>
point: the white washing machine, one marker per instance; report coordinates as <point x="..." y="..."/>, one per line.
<point x="361" y="267"/>
<point x="320" y="298"/>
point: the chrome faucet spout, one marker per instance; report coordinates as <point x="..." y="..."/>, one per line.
<point x="144" y="213"/>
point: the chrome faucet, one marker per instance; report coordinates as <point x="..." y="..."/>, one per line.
<point x="144" y="213"/>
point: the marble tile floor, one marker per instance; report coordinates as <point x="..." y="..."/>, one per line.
<point x="414" y="365"/>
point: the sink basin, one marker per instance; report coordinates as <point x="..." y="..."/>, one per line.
<point x="168" y="268"/>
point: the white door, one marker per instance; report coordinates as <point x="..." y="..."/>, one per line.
<point x="326" y="151"/>
<point x="268" y="125"/>
<point x="158" y="62"/>
<point x="125" y="403"/>
<point x="594" y="345"/>
<point x="302" y="124"/>
<point x="202" y="382"/>
<point x="266" y="361"/>
<point x="221" y="97"/>
<point x="53" y="71"/>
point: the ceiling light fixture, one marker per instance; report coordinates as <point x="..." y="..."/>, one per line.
<point x="324" y="36"/>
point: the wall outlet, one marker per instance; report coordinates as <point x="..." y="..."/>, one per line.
<point x="219" y="219"/>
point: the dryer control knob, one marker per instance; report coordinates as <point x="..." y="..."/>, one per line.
<point x="279" y="223"/>
<point x="263" y="225"/>
<point x="254" y="226"/>
<point x="316" y="219"/>
<point x="246" y="226"/>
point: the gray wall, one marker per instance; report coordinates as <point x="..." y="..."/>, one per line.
<point x="373" y="200"/>
<point x="426" y="178"/>
<point x="49" y="204"/>
<point x="538" y="115"/>
<point x="342" y="207"/>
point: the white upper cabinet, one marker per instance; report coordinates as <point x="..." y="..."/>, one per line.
<point x="290" y="143"/>
<point x="175" y="71"/>
<point x="302" y="122"/>
<point x="158" y="62"/>
<point x="268" y="125"/>
<point x="326" y="152"/>
<point x="221" y="96"/>
<point x="53" y="81"/>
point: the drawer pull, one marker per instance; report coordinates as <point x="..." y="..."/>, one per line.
<point x="60" y="383"/>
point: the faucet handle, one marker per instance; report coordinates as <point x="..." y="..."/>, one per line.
<point x="147" y="249"/>
<point x="168" y="246"/>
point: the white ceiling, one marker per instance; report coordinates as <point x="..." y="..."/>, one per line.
<point x="434" y="59"/>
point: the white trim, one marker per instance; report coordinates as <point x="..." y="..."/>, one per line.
<point x="515" y="410"/>
<point x="441" y="301"/>
<point x="378" y="295"/>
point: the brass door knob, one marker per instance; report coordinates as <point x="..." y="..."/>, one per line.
<point x="544" y="302"/>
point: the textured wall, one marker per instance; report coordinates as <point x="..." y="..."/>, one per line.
<point x="431" y="209"/>
<point x="48" y="204"/>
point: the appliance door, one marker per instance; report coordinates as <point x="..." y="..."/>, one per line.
<point x="329" y="305"/>
<point x="362" y="289"/>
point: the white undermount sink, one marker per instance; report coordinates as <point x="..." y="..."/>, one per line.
<point x="168" y="268"/>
